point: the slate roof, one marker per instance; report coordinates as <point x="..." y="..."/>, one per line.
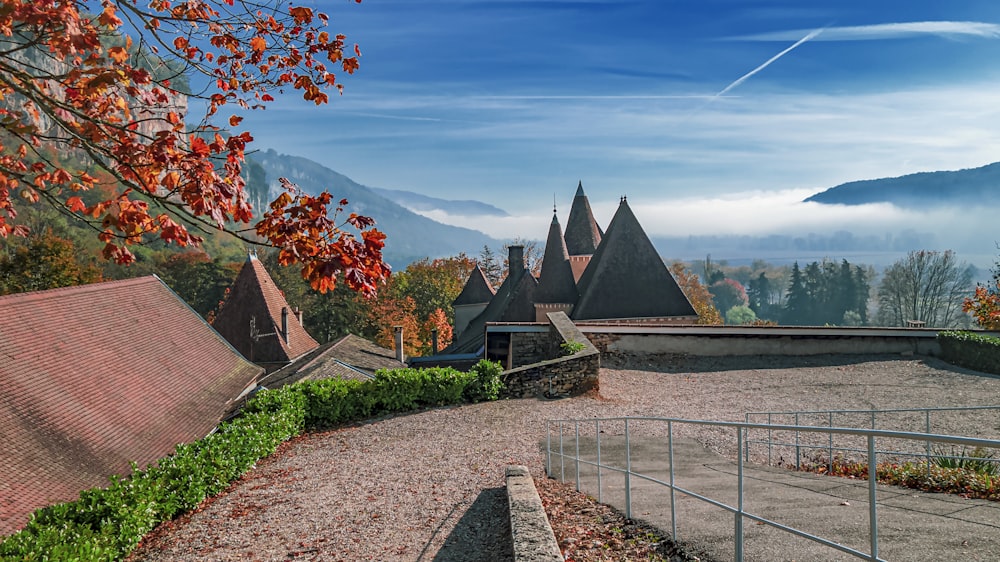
<point x="350" y="357"/>
<point x="626" y="277"/>
<point x="254" y="296"/>
<point x="582" y="233"/>
<point x="477" y="289"/>
<point x="513" y="302"/>
<point x="521" y="304"/>
<point x="556" y="283"/>
<point x="95" y="376"/>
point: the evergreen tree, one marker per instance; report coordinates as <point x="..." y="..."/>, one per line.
<point x="862" y="292"/>
<point x="759" y="295"/>
<point x="797" y="302"/>
<point x="491" y="265"/>
<point x="846" y="300"/>
<point x="815" y="293"/>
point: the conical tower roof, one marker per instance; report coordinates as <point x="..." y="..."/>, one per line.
<point x="626" y="278"/>
<point x="556" y="283"/>
<point x="477" y="289"/>
<point x="583" y="236"/>
<point x="255" y="298"/>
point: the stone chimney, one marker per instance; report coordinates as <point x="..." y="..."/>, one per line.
<point x="298" y="315"/>
<point x="515" y="262"/>
<point x="398" y="338"/>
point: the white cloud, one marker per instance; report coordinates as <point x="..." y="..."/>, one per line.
<point x="763" y="213"/>
<point x="902" y="30"/>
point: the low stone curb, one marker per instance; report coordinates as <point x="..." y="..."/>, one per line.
<point x="532" y="535"/>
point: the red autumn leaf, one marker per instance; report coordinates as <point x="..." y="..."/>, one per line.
<point x="123" y="121"/>
<point x="75" y="205"/>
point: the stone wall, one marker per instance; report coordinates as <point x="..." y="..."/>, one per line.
<point x="533" y="347"/>
<point x="550" y="374"/>
<point x="565" y="376"/>
<point x="769" y="340"/>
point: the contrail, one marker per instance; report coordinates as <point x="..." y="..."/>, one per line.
<point x="747" y="76"/>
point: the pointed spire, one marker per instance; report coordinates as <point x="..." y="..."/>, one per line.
<point x="626" y="277"/>
<point x="555" y="283"/>
<point x="582" y="233"/>
<point x="477" y="289"/>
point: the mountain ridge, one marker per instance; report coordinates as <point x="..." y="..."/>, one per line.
<point x="409" y="235"/>
<point x="418" y="202"/>
<point x="967" y="186"/>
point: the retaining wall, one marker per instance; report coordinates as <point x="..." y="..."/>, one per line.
<point x="549" y="374"/>
<point x="769" y="340"/>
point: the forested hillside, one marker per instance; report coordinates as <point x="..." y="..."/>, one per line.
<point x="409" y="236"/>
<point x="976" y="186"/>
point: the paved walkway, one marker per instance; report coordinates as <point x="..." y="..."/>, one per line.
<point x="912" y="525"/>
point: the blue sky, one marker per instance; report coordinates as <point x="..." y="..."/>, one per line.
<point x="703" y="112"/>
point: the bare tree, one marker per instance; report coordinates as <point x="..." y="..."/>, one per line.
<point x="925" y="286"/>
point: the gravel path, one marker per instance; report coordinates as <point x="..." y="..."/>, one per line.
<point x="428" y="486"/>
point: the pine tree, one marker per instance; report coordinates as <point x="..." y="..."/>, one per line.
<point x="797" y="301"/>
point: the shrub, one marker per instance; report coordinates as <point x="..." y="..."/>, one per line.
<point x="106" y="524"/>
<point x="571" y="347"/>
<point x="487" y="384"/>
<point x="917" y="475"/>
<point x="971" y="350"/>
<point x="330" y="402"/>
<point x="979" y="460"/>
<point x="740" y="315"/>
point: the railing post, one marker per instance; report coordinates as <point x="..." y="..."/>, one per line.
<point x="829" y="469"/>
<point x="770" y="439"/>
<point x="548" y="449"/>
<point x="927" y="444"/>
<point x="746" y="444"/>
<point x="797" y="467"/>
<point x="562" y="455"/>
<point x="738" y="530"/>
<point x="600" y="487"/>
<point x="673" y="497"/>
<point x="628" y="473"/>
<point x="872" y="506"/>
<point x="577" y="425"/>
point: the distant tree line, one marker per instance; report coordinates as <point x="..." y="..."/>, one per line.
<point x="928" y="287"/>
<point x="827" y="293"/>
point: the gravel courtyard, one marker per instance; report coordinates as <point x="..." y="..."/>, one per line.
<point x="428" y="485"/>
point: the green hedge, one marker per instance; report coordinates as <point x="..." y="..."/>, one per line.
<point x="106" y="524"/>
<point x="971" y="350"/>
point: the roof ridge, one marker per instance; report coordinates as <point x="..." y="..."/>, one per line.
<point x="87" y="287"/>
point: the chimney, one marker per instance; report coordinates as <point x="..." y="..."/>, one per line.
<point x="434" y="341"/>
<point x="515" y="262"/>
<point x="398" y="336"/>
<point x="298" y="315"/>
<point x="284" y="323"/>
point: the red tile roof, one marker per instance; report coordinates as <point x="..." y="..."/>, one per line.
<point x="254" y="296"/>
<point x="95" y="376"/>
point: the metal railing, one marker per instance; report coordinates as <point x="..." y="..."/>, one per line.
<point x="558" y="458"/>
<point x="915" y="420"/>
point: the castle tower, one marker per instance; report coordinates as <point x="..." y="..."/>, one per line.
<point x="556" y="283"/>
<point x="583" y="236"/>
